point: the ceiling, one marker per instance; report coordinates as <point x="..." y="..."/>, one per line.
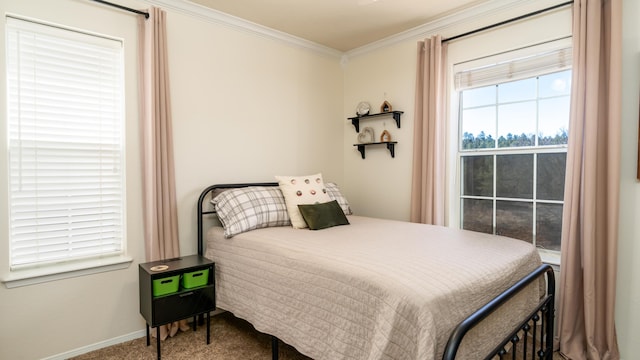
<point x="342" y="25"/>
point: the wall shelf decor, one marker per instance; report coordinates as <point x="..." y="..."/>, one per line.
<point x="385" y="136"/>
<point x="366" y="136"/>
<point x="385" y="107"/>
<point x="395" y="114"/>
<point x="391" y="145"/>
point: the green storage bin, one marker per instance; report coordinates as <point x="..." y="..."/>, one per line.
<point x="167" y="285"/>
<point x="195" y="278"/>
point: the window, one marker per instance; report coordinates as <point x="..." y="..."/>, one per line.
<point x="513" y="132"/>
<point x="65" y="135"/>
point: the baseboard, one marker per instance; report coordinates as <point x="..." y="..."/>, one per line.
<point x="99" y="345"/>
<point x="106" y="343"/>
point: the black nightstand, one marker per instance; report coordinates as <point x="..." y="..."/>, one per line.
<point x="176" y="289"/>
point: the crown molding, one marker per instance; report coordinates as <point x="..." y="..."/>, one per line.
<point x="441" y="25"/>
<point x="213" y="16"/>
<point x="447" y="23"/>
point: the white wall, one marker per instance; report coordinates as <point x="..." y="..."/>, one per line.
<point x="378" y="185"/>
<point x="628" y="284"/>
<point x="245" y="108"/>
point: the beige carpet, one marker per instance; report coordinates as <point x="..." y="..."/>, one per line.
<point x="231" y="339"/>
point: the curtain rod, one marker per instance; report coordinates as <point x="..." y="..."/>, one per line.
<point x="146" y="14"/>
<point x="521" y="17"/>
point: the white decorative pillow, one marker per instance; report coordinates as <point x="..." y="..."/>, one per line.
<point x="335" y="194"/>
<point x="249" y="208"/>
<point x="302" y="190"/>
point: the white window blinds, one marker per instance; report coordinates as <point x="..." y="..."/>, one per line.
<point x="65" y="117"/>
<point x="511" y="70"/>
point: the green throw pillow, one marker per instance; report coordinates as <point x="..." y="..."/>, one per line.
<point x="324" y="215"/>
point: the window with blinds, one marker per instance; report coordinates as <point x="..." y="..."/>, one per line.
<point x="515" y="69"/>
<point x="512" y="146"/>
<point x="65" y="135"/>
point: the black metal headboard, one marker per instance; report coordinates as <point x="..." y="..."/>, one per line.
<point x="202" y="212"/>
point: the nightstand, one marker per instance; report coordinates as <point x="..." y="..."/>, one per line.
<point x="176" y="289"/>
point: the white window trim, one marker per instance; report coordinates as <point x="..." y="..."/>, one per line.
<point x="45" y="272"/>
<point x="453" y="163"/>
<point x="38" y="275"/>
<point x="549" y="256"/>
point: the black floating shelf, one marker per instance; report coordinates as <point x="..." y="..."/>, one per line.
<point x="356" y="120"/>
<point x="391" y="145"/>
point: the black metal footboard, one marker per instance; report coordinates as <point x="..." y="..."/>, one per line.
<point x="532" y="339"/>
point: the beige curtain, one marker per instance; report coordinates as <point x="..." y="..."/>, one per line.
<point x="160" y="209"/>
<point x="586" y="327"/>
<point x="158" y="188"/>
<point x="428" y="180"/>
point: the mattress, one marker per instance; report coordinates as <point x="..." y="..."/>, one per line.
<point x="374" y="289"/>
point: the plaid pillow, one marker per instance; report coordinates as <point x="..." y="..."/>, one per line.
<point x="249" y="208"/>
<point x="335" y="194"/>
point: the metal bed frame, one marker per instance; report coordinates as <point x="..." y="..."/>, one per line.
<point x="533" y="337"/>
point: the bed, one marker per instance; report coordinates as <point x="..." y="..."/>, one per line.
<point x="378" y="289"/>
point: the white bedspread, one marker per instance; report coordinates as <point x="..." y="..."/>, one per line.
<point x="375" y="289"/>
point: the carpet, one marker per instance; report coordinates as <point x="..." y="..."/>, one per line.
<point x="231" y="339"/>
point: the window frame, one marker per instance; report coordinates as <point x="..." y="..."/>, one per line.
<point x="455" y="131"/>
<point x="47" y="271"/>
